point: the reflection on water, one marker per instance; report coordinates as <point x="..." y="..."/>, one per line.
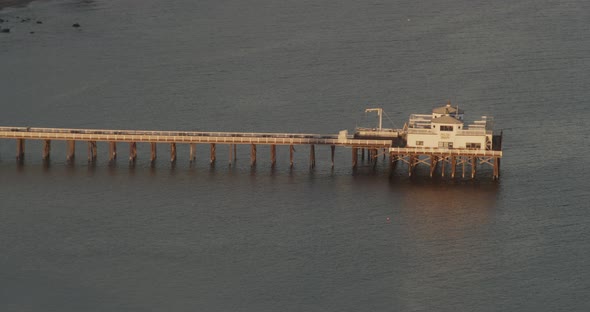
<point x="435" y="209"/>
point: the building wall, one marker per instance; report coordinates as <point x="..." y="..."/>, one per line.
<point x="432" y="140"/>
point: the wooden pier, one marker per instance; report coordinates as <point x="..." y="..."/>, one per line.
<point x="432" y="158"/>
<point x="448" y="161"/>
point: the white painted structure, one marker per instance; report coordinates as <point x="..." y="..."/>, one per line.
<point x="445" y="129"/>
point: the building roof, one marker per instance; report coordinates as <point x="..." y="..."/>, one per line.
<point x="447" y="120"/>
<point x="447" y="109"/>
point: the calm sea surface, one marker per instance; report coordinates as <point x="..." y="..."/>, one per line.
<point x="194" y="238"/>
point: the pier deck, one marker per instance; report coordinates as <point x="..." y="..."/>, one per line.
<point x="185" y="137"/>
<point x="412" y="156"/>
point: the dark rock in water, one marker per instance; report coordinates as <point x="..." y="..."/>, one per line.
<point x="32" y="32"/>
<point x="5" y="30"/>
<point x="76" y="25"/>
<point x="1" y="20"/>
<point x="39" y="22"/>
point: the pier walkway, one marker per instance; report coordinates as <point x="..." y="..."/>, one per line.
<point x="183" y="137"/>
<point x="434" y="158"/>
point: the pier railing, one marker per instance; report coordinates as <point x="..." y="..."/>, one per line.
<point x="445" y="151"/>
<point x="184" y="137"/>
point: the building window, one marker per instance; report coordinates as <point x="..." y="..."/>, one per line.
<point x="419" y="143"/>
<point x="445" y="144"/>
<point x="473" y="145"/>
<point x="446" y="128"/>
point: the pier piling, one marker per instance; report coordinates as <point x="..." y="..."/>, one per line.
<point x="71" y="152"/>
<point x="312" y="156"/>
<point x="20" y="150"/>
<point x="92" y="151"/>
<point x="154" y="153"/>
<point x="46" y="149"/>
<point x="252" y="155"/>
<point x="212" y="154"/>
<point x="273" y="155"/>
<point x="230" y="154"/>
<point x="132" y="152"/>
<point x="192" y="152"/>
<point x="173" y="153"/>
<point x="332" y="149"/>
<point x="291" y="152"/>
<point x="112" y="151"/>
<point x="433" y="163"/>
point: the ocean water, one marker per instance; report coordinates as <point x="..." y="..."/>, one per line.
<point x="194" y="238"/>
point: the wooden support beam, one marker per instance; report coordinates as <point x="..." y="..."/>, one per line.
<point x="112" y="151"/>
<point x="375" y="156"/>
<point x="20" y="150"/>
<point x="71" y="151"/>
<point x="92" y="151"/>
<point x="392" y="163"/>
<point x="433" y="163"/>
<point x="235" y="154"/>
<point x="463" y="161"/>
<point x="253" y="155"/>
<point x="192" y="152"/>
<point x="332" y="149"/>
<point x="173" y="153"/>
<point x="363" y="154"/>
<point x="442" y="169"/>
<point x="354" y="157"/>
<point x="453" y="166"/>
<point x="46" y="149"/>
<point x="154" y="153"/>
<point x="231" y="157"/>
<point x="312" y="156"/>
<point x="496" y="168"/>
<point x="132" y="152"/>
<point x="411" y="165"/>
<point x="212" y="154"/>
<point x="273" y="155"/>
<point x="291" y="152"/>
<point x="473" y="166"/>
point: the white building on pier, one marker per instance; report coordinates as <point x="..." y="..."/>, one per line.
<point x="446" y="129"/>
